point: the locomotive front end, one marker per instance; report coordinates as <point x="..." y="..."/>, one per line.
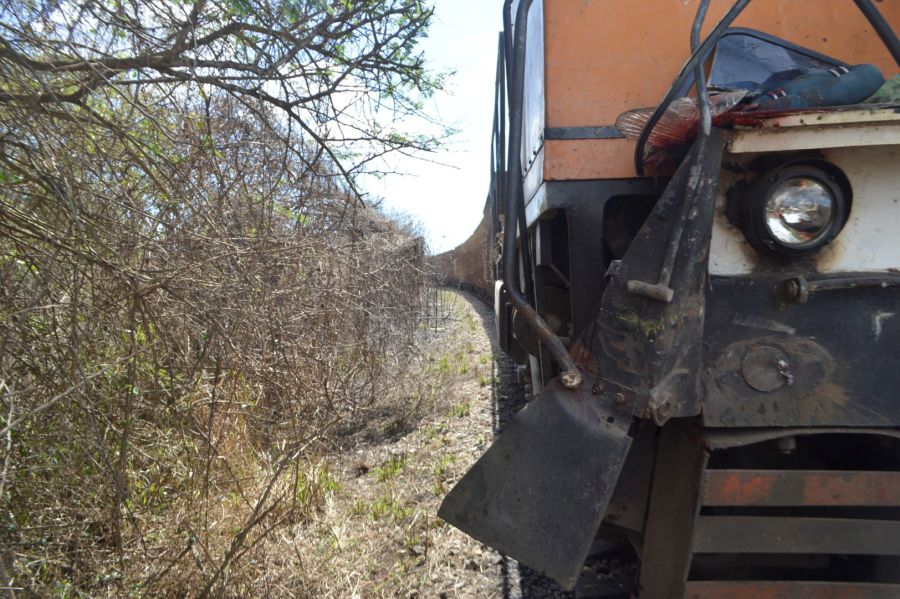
<point x="787" y="483"/>
<point x="712" y="343"/>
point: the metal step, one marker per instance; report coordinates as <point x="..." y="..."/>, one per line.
<point x="779" y="535"/>
<point x="721" y="589"/>
<point x="801" y="487"/>
<point x="767" y="533"/>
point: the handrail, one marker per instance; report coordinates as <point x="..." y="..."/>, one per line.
<point x="696" y="60"/>
<point x="798" y="289"/>
<point x="497" y="152"/>
<point x="881" y="27"/>
<point x="571" y="377"/>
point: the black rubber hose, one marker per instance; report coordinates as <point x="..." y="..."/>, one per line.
<point x="687" y="70"/>
<point x="882" y="28"/>
<point x="508" y="40"/>
<point x="501" y="102"/>
<point x="521" y="222"/>
<point x="571" y="377"/>
<point x="699" y="75"/>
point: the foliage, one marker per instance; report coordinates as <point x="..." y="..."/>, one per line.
<point x="192" y="297"/>
<point x="390" y="468"/>
<point x="342" y="76"/>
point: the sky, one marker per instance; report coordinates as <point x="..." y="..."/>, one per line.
<point x="446" y="195"/>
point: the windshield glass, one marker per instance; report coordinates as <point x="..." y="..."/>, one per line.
<point x="754" y="61"/>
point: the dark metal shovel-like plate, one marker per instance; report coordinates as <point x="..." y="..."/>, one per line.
<point x="540" y="491"/>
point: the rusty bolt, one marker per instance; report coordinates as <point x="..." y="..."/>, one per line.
<point x="664" y="406"/>
<point x="621" y="400"/>
<point x="571" y="379"/>
<point x="793" y="290"/>
<point x="598" y="388"/>
<point x="787" y="445"/>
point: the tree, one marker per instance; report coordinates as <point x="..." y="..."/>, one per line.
<point x="341" y="74"/>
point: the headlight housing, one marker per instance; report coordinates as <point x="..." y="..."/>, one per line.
<point x="795" y="210"/>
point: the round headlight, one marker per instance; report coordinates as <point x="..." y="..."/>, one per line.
<point x="799" y="211"/>
<point x="795" y="210"/>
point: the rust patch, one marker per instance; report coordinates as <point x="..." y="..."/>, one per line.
<point x="807" y="488"/>
<point x="739" y="489"/>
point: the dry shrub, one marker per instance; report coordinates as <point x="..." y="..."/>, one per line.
<point x="189" y="310"/>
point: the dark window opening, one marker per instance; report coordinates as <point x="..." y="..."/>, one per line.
<point x="623" y="217"/>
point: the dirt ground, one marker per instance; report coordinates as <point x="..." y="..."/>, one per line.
<point x="377" y="534"/>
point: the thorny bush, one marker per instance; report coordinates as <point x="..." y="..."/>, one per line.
<point x="192" y="295"/>
<point x="171" y="356"/>
<point x="180" y="327"/>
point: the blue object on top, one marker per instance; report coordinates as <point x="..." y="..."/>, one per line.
<point x="839" y="86"/>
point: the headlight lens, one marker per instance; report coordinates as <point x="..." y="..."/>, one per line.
<point x="796" y="209"/>
<point x="799" y="212"/>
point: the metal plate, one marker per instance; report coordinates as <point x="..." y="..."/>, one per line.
<point x="540" y="492"/>
<point x="840" y="348"/>
<point x="646" y="345"/>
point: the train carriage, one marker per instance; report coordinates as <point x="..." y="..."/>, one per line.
<point x="704" y="294"/>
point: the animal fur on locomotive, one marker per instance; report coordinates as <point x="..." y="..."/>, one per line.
<point x="705" y="295"/>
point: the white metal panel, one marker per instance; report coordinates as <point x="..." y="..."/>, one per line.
<point x="870" y="240"/>
<point x="815" y="129"/>
<point x="812" y="137"/>
<point x="729" y="254"/>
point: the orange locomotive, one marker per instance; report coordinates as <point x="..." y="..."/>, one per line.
<point x="703" y="294"/>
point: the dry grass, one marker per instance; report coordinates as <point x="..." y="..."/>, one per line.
<point x="349" y="514"/>
<point x="376" y="533"/>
